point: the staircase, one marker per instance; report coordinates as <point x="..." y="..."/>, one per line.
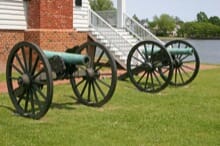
<point x="117" y="41"/>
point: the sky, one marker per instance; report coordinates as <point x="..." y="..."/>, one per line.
<point x="186" y="10"/>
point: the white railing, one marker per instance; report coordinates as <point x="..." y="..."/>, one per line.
<point x="110" y="16"/>
<point x="115" y="40"/>
<point x="139" y="31"/>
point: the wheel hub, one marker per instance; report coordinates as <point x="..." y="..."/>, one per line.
<point x="177" y="63"/>
<point x="149" y="67"/>
<point x="91" y="73"/>
<point x="24" y="80"/>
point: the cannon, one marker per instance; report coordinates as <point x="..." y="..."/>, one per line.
<point x="30" y="73"/>
<point x="151" y="66"/>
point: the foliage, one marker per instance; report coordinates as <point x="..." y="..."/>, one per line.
<point x="165" y="24"/>
<point x="100" y="5"/>
<point x="215" y="20"/>
<point x="201" y="30"/>
<point x="186" y="116"/>
<point x="202" y="17"/>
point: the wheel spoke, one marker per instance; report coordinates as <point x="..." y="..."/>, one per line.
<point x="184" y="58"/>
<point x="35" y="65"/>
<point x="152" y="53"/>
<point x="41" y="71"/>
<point x="19" y="91"/>
<point x="100" y="90"/>
<point x="146" y="81"/>
<point x="84" y="88"/>
<point x="141" y="54"/>
<point x="79" y="83"/>
<point x="25" y="59"/>
<point x="104" y="83"/>
<point x="180" y="74"/>
<point x="89" y="92"/>
<point x="19" y="61"/>
<point x="30" y="60"/>
<point x="97" y="69"/>
<point x="13" y="78"/>
<point x="141" y="77"/>
<point x="40" y="92"/>
<point x="94" y="91"/>
<point x="100" y="57"/>
<point x="188" y="67"/>
<point x="26" y="101"/>
<point x="32" y="102"/>
<point x="145" y="48"/>
<point x="157" y="78"/>
<point x="37" y="99"/>
<point x="17" y="69"/>
<point x="152" y="80"/>
<point x="175" y="75"/>
<point x="138" y="59"/>
<point x="185" y="72"/>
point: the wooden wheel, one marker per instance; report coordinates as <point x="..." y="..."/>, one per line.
<point x="94" y="83"/>
<point x="29" y="80"/>
<point x="186" y="66"/>
<point x="149" y="66"/>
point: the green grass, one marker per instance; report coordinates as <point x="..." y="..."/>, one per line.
<point x="2" y="77"/>
<point x="186" y="116"/>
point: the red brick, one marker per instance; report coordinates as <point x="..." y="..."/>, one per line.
<point x="50" y="14"/>
<point x="8" y="39"/>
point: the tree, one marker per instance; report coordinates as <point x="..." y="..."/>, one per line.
<point x="215" y="20"/>
<point x="202" y="17"/>
<point x="100" y="5"/>
<point x="136" y="18"/>
<point x="165" y="24"/>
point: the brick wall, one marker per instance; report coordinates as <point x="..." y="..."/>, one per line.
<point x="7" y="40"/>
<point x="50" y="14"/>
<point x="55" y="40"/>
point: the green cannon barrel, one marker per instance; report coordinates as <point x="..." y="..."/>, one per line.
<point x="69" y="58"/>
<point x="180" y="51"/>
<point x="173" y="51"/>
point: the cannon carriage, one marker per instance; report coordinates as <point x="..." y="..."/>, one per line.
<point x="92" y="72"/>
<point x="30" y="73"/>
<point x="151" y="66"/>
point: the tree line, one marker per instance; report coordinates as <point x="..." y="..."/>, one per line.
<point x="166" y="25"/>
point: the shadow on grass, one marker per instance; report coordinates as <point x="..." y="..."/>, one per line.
<point x="7" y="107"/>
<point x="66" y="105"/>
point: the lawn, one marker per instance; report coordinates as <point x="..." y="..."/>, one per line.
<point x="186" y="116"/>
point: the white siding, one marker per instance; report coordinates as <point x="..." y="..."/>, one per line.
<point x="81" y="16"/>
<point x="13" y="14"/>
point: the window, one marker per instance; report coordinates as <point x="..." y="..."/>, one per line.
<point x="78" y="3"/>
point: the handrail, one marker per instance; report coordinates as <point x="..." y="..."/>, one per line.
<point x="110" y="16"/>
<point x="108" y="32"/>
<point x="138" y="30"/>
